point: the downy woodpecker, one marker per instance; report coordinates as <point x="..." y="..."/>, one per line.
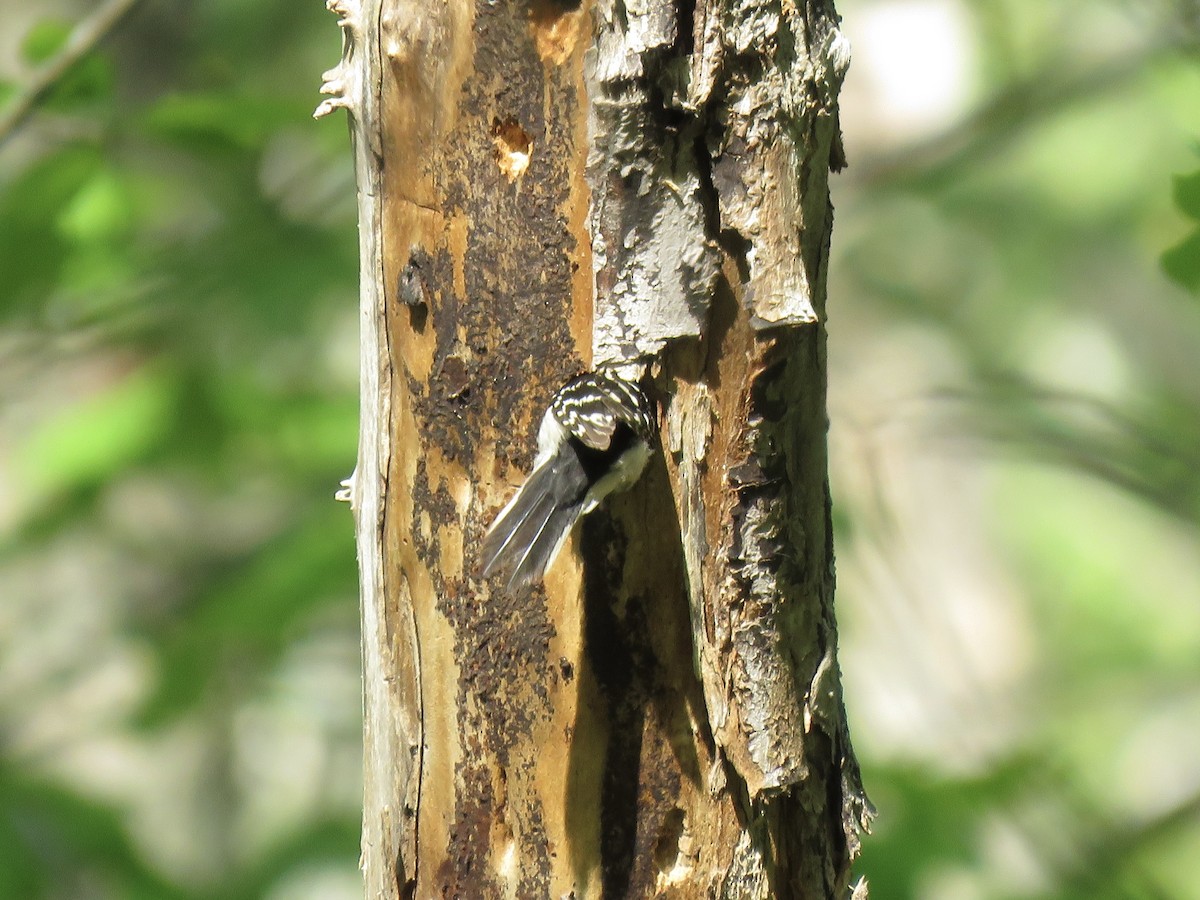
<point x="594" y="439"/>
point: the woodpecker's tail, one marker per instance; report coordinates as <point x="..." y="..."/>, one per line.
<point x="530" y="531"/>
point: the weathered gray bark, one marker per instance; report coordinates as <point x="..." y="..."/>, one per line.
<point x="543" y="186"/>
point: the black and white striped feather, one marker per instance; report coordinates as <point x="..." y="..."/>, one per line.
<point x="594" y="439"/>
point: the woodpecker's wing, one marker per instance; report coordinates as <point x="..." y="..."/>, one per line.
<point x="530" y="530"/>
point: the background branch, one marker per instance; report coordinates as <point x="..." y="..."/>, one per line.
<point x="87" y="34"/>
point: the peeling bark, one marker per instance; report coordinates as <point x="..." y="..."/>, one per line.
<point x="543" y="185"/>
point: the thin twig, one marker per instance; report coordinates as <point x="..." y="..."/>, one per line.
<point x="86" y="35"/>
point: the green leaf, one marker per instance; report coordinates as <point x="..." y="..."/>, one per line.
<point x="88" y="81"/>
<point x="93" y="440"/>
<point x="44" y="40"/>
<point x="99" y="212"/>
<point x="32" y="249"/>
<point x="213" y="120"/>
<point x="52" y="838"/>
<point x="1182" y="262"/>
<point x="1187" y="194"/>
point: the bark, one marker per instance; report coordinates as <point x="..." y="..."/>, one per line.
<point x="544" y="186"/>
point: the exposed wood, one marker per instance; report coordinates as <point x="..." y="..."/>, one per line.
<point x="392" y="725"/>
<point x="540" y="185"/>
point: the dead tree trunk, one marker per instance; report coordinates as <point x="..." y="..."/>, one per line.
<point x="545" y="185"/>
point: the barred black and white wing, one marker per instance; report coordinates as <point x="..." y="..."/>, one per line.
<point x="594" y="439"/>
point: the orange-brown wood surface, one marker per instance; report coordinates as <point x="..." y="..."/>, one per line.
<point x="662" y="717"/>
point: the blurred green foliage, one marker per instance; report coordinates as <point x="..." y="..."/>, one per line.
<point x="178" y="361"/>
<point x="179" y="707"/>
<point x="1004" y="269"/>
<point x="1182" y="262"/>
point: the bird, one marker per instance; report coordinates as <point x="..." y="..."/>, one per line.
<point x="594" y="440"/>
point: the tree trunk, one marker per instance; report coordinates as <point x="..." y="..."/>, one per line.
<point x="544" y="186"/>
